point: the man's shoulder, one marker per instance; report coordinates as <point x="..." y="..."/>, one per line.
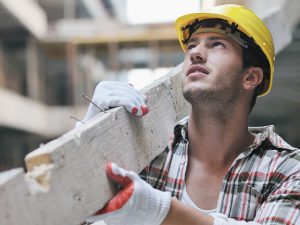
<point x="283" y="157"/>
<point x="268" y="134"/>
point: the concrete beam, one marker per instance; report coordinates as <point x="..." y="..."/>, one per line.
<point x="24" y="114"/>
<point x="95" y="9"/>
<point x="93" y="32"/>
<point x="29" y="14"/>
<point x="33" y="80"/>
<point x="66" y="181"/>
<point x="282" y="34"/>
<point x="291" y="13"/>
<point x="281" y="18"/>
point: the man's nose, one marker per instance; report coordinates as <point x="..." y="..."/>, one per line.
<point x="198" y="54"/>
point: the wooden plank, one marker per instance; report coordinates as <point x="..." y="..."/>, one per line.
<point x="66" y="181"/>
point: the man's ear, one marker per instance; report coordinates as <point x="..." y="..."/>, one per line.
<point x="252" y="78"/>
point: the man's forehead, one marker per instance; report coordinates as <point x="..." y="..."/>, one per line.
<point x="208" y="36"/>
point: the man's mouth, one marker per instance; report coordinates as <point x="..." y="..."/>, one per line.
<point x="197" y="69"/>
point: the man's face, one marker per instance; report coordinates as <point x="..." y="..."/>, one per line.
<point x="212" y="69"/>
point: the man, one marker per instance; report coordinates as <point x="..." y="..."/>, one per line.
<point x="217" y="170"/>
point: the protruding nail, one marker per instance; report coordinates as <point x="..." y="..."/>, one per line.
<point x="94" y="104"/>
<point x="75" y="118"/>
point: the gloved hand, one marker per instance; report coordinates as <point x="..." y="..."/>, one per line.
<point x="109" y="94"/>
<point x="137" y="203"/>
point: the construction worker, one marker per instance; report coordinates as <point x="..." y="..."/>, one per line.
<point x="216" y="170"/>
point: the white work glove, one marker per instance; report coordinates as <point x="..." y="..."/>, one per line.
<point x="110" y="94"/>
<point x="137" y="203"/>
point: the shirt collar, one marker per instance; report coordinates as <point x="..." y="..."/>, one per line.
<point x="180" y="129"/>
<point x="268" y="133"/>
<point x="261" y="134"/>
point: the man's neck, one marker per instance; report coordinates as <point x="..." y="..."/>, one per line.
<point x="216" y="143"/>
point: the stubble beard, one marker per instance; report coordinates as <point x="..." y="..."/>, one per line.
<point x="215" y="102"/>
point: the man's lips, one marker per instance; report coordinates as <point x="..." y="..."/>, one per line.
<point x="197" y="69"/>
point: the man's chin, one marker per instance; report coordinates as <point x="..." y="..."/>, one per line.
<point x="195" y="88"/>
<point x="196" y="95"/>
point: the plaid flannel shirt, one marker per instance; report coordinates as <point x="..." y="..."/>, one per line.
<point x="262" y="184"/>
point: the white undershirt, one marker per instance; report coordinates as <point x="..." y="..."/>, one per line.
<point x="188" y="201"/>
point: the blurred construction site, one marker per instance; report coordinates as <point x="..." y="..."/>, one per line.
<point x="54" y="51"/>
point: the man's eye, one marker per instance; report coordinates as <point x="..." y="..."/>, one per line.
<point x="217" y="43"/>
<point x="190" y="46"/>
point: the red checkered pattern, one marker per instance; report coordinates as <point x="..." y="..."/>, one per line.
<point x="262" y="185"/>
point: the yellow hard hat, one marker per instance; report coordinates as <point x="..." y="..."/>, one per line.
<point x="247" y="22"/>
